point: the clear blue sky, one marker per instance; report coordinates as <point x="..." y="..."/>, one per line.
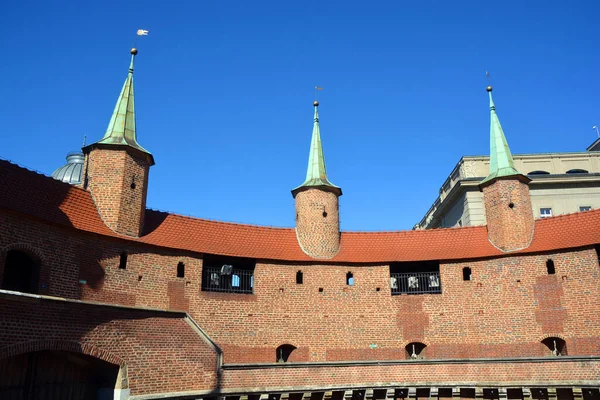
<point x="224" y="93"/>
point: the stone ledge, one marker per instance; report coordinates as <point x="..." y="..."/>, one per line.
<point x="410" y="362"/>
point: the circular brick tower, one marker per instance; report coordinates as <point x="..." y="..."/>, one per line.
<point x="505" y="194"/>
<point x="317" y="204"/>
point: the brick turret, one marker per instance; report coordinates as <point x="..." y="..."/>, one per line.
<point x="505" y="194"/>
<point x="317" y="204"/>
<point x="116" y="167"/>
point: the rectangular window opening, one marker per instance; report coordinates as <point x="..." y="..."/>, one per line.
<point x="123" y="260"/>
<point x="228" y="274"/>
<point x="545" y="212"/>
<point x="415" y="277"/>
<point x="585" y="208"/>
<point x="564" y="394"/>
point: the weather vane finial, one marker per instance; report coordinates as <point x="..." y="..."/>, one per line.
<point x="317" y="88"/>
<point x="489" y="80"/>
<point x="140" y="32"/>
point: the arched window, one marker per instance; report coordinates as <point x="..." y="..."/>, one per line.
<point x="283" y="352"/>
<point x="550" y="267"/>
<point x="556" y="346"/>
<point x="21" y="272"/>
<point x="180" y="269"/>
<point x="577" y="171"/>
<point x="349" y="279"/>
<point x="538" y="172"/>
<point x="299" y="278"/>
<point x="466" y="274"/>
<point x="415" y="350"/>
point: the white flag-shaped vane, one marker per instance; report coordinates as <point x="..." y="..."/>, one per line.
<point x="142" y="32"/>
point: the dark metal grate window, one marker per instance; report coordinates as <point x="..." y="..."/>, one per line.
<point x="227" y="280"/>
<point x="416" y="283"/>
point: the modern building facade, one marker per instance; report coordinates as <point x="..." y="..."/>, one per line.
<point x="103" y="298"/>
<point x="561" y="183"/>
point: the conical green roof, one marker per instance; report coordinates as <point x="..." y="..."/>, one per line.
<point x="316" y="174"/>
<point x="501" y="160"/>
<point x="121" y="128"/>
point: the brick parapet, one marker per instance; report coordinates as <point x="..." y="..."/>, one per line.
<point x="508" y="307"/>
<point x="163" y="351"/>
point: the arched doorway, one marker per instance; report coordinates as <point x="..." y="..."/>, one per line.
<point x="21" y="272"/>
<point x="57" y="375"/>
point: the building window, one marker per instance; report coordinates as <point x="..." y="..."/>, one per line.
<point x="538" y="172"/>
<point x="545" y="212"/>
<point x="299" y="278"/>
<point x="550" y="267"/>
<point x="228" y="274"/>
<point x="556" y="346"/>
<point x="349" y="279"/>
<point x="415" y="350"/>
<point x="466" y="274"/>
<point x="180" y="269"/>
<point x="585" y="208"/>
<point x="21" y="272"/>
<point x="415" y="277"/>
<point x="577" y="171"/>
<point x="282" y="354"/>
<point x="123" y="260"/>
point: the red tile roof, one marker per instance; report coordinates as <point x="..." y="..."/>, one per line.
<point x="59" y="203"/>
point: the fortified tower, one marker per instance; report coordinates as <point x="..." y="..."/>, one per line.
<point x="505" y="194"/>
<point x="116" y="167"/>
<point x="317" y="204"/>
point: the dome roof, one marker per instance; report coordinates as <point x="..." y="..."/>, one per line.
<point x="71" y="171"/>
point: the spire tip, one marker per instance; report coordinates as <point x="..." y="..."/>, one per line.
<point x="316" y="103"/>
<point x="133" y="51"/>
<point x="489" y="88"/>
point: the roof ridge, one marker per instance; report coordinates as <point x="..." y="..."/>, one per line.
<point x="216" y="221"/>
<point x="41" y="174"/>
<point x="453" y="228"/>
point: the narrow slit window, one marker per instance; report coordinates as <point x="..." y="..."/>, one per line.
<point x="123" y="260"/>
<point x="180" y="270"/>
<point x="349" y="279"/>
<point x="466" y="274"/>
<point x="299" y="278"/>
<point x="550" y="267"/>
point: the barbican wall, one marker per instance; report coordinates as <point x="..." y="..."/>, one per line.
<point x="508" y="307"/>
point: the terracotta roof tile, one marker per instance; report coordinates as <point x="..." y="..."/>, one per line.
<point x="59" y="203"/>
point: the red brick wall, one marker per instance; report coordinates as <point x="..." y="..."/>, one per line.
<point x="411" y="373"/>
<point x="110" y="174"/>
<point x="162" y="351"/>
<point x="318" y="223"/>
<point x="508" y="307"/>
<point x="508" y="228"/>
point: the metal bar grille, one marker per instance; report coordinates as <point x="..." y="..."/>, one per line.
<point x="416" y="283"/>
<point x="237" y="281"/>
